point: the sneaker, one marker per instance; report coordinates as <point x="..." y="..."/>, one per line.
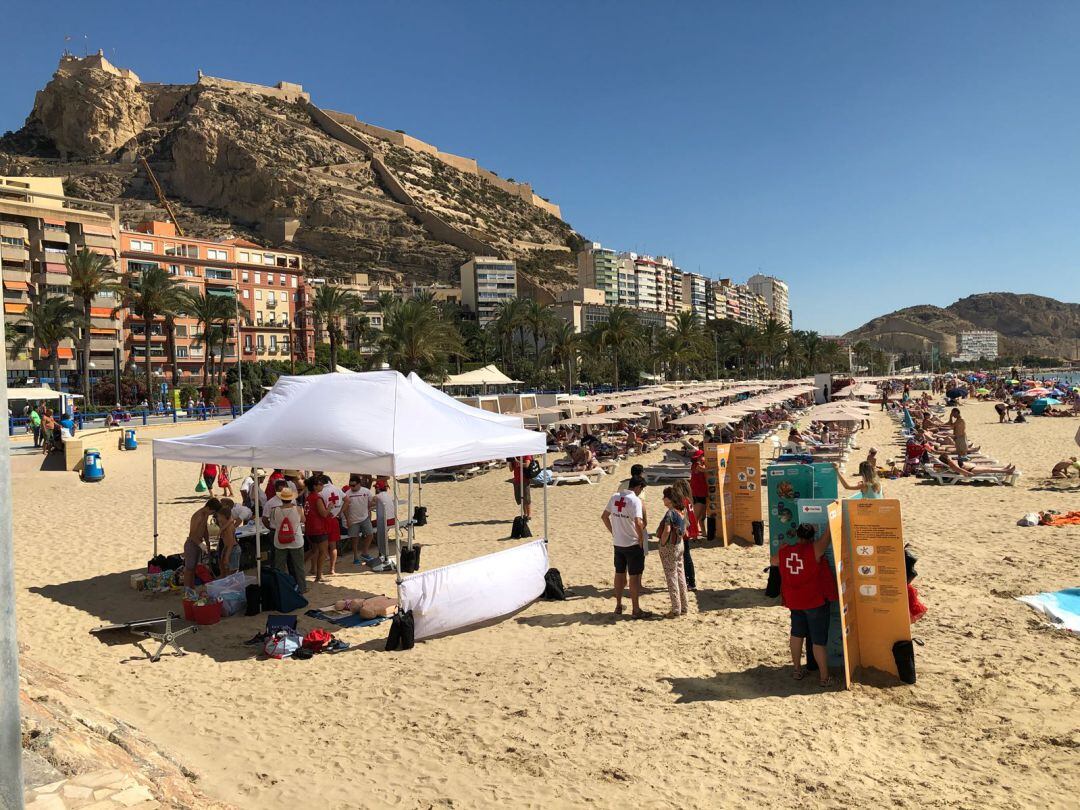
<point x="381" y="566"/>
<point x="356" y="561"/>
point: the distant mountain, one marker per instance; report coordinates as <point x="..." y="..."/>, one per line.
<point x="1027" y="324"/>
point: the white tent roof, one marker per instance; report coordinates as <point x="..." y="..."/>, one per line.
<point x="513" y="420"/>
<point x="37" y="393"/>
<point x="488" y="375"/>
<point x="376" y="422"/>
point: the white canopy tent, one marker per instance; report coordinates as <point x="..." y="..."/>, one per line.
<point x="488" y="375"/>
<point x="378" y="422"/>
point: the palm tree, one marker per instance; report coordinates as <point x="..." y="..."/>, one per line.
<point x="833" y="356"/>
<point x="540" y="318"/>
<point x="507" y="318"/>
<point x="683" y="343"/>
<point x="209" y="312"/>
<point x="92" y="274"/>
<point x="794" y="354"/>
<point x="743" y="343"/>
<point x="812" y="347"/>
<point x="416" y="338"/>
<point x="331" y="307"/>
<point x="48" y="320"/>
<point x="863" y="352"/>
<point x="149" y="294"/>
<point x="773" y="341"/>
<point x="563" y="347"/>
<point x="620" y="332"/>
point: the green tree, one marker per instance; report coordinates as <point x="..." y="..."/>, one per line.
<point x="773" y="342"/>
<point x="332" y="307"/>
<point x="541" y="320"/>
<point x="47" y="321"/>
<point x="621" y="332"/>
<point x="209" y="311"/>
<point x="416" y="338"/>
<point x="149" y="294"/>
<point x="683" y="343"/>
<point x="563" y="349"/>
<point x="92" y="274"/>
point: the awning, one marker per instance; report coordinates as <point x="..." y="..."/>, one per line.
<point x="97" y="230"/>
<point x="488" y="375"/>
<point x="14" y="309"/>
<point x="53" y="221"/>
<point x="37" y="393"/>
<point x="61" y="352"/>
<point x="16" y="285"/>
<point x="103" y="332"/>
<point x="100" y="312"/>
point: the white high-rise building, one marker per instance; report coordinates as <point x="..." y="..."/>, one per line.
<point x="485" y="283"/>
<point x="775" y="293"/>
<point x="978" y="344"/>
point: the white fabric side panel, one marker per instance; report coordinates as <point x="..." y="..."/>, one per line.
<point x="476" y="590"/>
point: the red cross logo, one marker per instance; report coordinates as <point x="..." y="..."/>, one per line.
<point x="794" y="564"/>
<point x="333" y="499"/>
<point x="619" y="504"/>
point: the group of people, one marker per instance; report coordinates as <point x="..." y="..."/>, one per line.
<point x="49" y="430"/>
<point x="307" y="516"/>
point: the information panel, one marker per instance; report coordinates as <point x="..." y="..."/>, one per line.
<point x="744" y="486"/>
<point x="824" y="516"/>
<point x="718" y="500"/>
<point x="826" y="484"/>
<point x="786" y="484"/>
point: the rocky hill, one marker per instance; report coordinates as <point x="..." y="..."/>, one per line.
<point x="1027" y="324"/>
<point x="245" y="159"/>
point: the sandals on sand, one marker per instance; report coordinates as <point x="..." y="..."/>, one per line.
<point x="799" y="673"/>
<point x="827" y="683"/>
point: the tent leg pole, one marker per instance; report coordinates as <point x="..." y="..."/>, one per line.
<point x="547" y="531"/>
<point x="409" y="513"/>
<point x="155" y="509"/>
<point x="257" y="490"/>
<point x="397" y="533"/>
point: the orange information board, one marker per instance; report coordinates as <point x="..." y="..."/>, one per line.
<point x="718" y="501"/>
<point x="744" y="487"/>
<point x="873" y="580"/>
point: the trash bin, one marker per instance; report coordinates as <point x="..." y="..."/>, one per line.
<point x="92" y="469"/>
<point x="129" y="439"/>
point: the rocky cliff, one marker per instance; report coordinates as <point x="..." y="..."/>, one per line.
<point x="1027" y="324"/>
<point x="239" y="158"/>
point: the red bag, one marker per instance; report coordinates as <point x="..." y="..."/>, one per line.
<point x="317" y="640"/>
<point x="203" y="574"/>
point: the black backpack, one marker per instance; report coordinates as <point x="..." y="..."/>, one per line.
<point x="520" y="528"/>
<point x="553" y="585"/>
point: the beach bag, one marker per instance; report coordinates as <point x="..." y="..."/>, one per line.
<point x="1030" y="519"/>
<point x="520" y="528"/>
<point x="282" y="644"/>
<point x="317" y="640"/>
<point x="772" y="587"/>
<point x="904" y="656"/>
<point x="253" y="599"/>
<point x="553" y="585"/>
<point x="234" y="583"/>
<point x="279" y="591"/>
<point x="201" y="485"/>
<point x="402" y="632"/>
<point x="532" y="469"/>
<point x="758" y="528"/>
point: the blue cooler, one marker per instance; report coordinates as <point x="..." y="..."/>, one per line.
<point x="129" y="440"/>
<point x="92" y="469"/>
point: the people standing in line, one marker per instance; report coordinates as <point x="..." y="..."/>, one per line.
<point x="801" y="588"/>
<point x="316" y="526"/>
<point x="285" y="519"/>
<point x="198" y="538"/>
<point x="359" y="504"/>
<point x="681" y="490"/>
<point x="670" y="535"/>
<point x="623" y="518"/>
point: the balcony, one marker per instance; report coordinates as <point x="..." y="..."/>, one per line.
<point x="219" y="275"/>
<point x="14" y="253"/>
<point x="271" y="303"/>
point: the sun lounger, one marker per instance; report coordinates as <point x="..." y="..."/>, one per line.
<point x="949" y="477"/>
<point x="578" y="477"/>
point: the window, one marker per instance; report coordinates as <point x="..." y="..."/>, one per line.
<point x="270" y="299"/>
<point x="12" y="240"/>
<point x="187" y="251"/>
<point x="141" y="267"/>
<point x="281" y="279"/>
<point x="294" y="282"/>
<point x="139" y="244"/>
<point x="247" y="343"/>
<point x="273" y="344"/>
<point x="181" y="352"/>
<point x="268" y="258"/>
<point x="190" y="272"/>
<point x="258" y="278"/>
<point x="244" y="275"/>
<point x="258" y="295"/>
<point x="181" y="330"/>
<point x="174" y="269"/>
<point x="217" y="255"/>
<point x="242" y="256"/>
<point x="260" y="342"/>
<point x="247" y="294"/>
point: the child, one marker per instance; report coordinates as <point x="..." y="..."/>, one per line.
<point x="223" y="480"/>
<point x="801" y="588"/>
<point x="681" y="490"/>
<point x="670" y="533"/>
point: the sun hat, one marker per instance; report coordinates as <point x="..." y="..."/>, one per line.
<point x="287" y="494"/>
<point x="291" y="473"/>
<point x="260" y="472"/>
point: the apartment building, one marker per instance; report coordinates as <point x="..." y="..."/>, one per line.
<point x="267" y="283"/>
<point x="39" y="228"/>
<point x="598" y="269"/>
<point x="775" y="293"/>
<point x="696" y="294"/>
<point x="978" y="344"/>
<point x="584" y="308"/>
<point x="486" y="282"/>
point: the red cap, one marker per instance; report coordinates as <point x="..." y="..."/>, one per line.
<point x="381" y="486"/>
<point x="698" y="454"/>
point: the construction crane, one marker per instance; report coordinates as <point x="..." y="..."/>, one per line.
<point x="161" y="196"/>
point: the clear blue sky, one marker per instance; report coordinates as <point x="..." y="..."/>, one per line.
<point x="875" y="155"/>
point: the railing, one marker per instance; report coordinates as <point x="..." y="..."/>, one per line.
<point x="158" y="416"/>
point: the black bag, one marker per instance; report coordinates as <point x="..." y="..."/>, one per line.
<point x="553" y="585"/>
<point x="279" y="591"/>
<point x="772" y="588"/>
<point x="532" y="469"/>
<point x="909" y="563"/>
<point x="904" y="656"/>
<point x="253" y="595"/>
<point x="520" y="528"/>
<point x="419" y="515"/>
<point x="402" y="632"/>
<point x="410" y="559"/>
<point x="758" y="527"/>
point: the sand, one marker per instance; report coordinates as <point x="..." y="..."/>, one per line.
<point x="561" y="705"/>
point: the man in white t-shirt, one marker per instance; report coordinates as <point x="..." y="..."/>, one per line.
<point x="623" y="517"/>
<point x="248" y="487"/>
<point x="359" y="504"/>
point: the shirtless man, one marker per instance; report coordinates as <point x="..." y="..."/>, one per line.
<point x="1061" y="469"/>
<point x="197" y="539"/>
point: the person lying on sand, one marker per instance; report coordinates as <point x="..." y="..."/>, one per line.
<point x="1062" y="468"/>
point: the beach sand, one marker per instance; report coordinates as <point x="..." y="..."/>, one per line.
<point x="561" y="705"/>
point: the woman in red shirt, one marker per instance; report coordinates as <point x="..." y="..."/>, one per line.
<point x="316" y="525"/>
<point x="801" y="586"/>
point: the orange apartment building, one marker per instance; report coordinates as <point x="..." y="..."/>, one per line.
<point x="270" y="284"/>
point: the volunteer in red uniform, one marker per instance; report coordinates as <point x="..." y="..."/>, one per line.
<point x="699" y="487"/>
<point x="334" y="499"/>
<point x="316" y="525"/>
<point x="801" y="586"/>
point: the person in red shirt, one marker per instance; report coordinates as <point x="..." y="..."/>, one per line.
<point x="522" y="492"/>
<point x="801" y="586"/>
<point x="209" y="476"/>
<point x="316" y="525"/>
<point x="275" y="476"/>
<point x="699" y="487"/>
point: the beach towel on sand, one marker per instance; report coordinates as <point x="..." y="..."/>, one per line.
<point x="1068" y="519"/>
<point x="1061" y="608"/>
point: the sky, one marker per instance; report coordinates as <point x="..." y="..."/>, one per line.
<point x="874" y="155"/>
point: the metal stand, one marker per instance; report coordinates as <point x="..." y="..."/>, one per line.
<point x="166" y="638"/>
